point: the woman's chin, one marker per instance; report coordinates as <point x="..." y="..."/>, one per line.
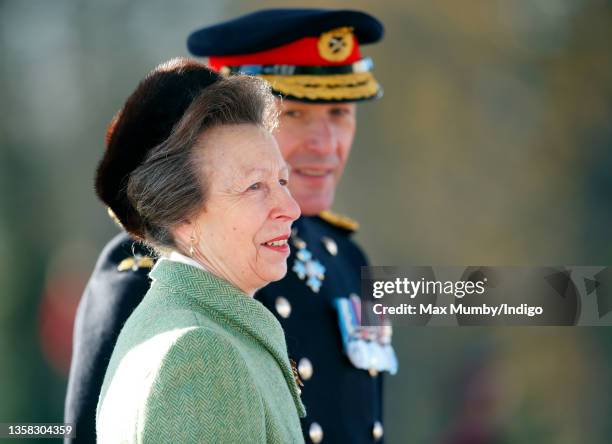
<point x="276" y="272"/>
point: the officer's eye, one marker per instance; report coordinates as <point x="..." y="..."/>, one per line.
<point x="293" y="113"/>
<point x="283" y="182"/>
<point x="340" y="111"/>
<point x="254" y="187"/>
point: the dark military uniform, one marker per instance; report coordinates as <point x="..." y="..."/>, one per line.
<point x="116" y="287"/>
<point x="344" y="404"/>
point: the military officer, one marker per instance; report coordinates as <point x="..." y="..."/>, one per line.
<point x="312" y="58"/>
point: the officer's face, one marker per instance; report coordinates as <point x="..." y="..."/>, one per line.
<point x="248" y="206"/>
<point x="315" y="140"/>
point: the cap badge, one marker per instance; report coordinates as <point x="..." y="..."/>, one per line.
<point x="336" y="45"/>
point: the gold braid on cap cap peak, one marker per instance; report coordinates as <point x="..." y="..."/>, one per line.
<point x="338" y="220"/>
<point x="353" y="86"/>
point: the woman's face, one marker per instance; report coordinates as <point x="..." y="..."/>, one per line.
<point x="241" y="233"/>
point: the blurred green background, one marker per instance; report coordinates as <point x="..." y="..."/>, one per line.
<point x="492" y="145"/>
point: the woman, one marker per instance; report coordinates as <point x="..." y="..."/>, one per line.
<point x="200" y="360"/>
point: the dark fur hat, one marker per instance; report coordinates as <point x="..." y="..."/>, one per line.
<point x="145" y="121"/>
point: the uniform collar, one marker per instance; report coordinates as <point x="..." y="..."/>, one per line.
<point x="231" y="307"/>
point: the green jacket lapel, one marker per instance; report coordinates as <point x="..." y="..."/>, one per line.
<point x="232" y="307"/>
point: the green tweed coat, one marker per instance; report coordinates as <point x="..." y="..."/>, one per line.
<point x="199" y="361"/>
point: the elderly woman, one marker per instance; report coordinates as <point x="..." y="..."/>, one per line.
<point x="200" y="360"/>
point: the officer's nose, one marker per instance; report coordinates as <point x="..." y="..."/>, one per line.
<point x="322" y="138"/>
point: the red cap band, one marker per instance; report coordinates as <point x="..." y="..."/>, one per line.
<point x="302" y="52"/>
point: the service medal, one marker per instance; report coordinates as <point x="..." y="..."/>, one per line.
<point x="307" y="267"/>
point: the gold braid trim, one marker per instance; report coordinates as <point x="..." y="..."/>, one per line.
<point x="339" y="220"/>
<point x="358" y="85"/>
<point x="136" y="262"/>
<point x="114" y="217"/>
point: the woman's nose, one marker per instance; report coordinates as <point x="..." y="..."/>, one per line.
<point x="287" y="206"/>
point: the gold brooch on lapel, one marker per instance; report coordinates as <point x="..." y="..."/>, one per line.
<point x="296" y="375"/>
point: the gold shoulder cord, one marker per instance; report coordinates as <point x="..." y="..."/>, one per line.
<point x="339" y="220"/>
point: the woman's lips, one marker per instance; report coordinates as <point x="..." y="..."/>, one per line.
<point x="279" y="244"/>
<point x="281" y="249"/>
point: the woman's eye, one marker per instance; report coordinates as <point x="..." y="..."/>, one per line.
<point x="283" y="182"/>
<point x="255" y="186"/>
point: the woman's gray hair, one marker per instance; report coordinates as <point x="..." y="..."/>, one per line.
<point x="166" y="188"/>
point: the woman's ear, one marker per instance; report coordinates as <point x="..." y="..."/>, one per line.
<point x="183" y="233"/>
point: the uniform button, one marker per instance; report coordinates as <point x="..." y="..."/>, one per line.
<point x="373" y="372"/>
<point x="305" y="369"/>
<point x="377" y="431"/>
<point x="330" y="245"/>
<point x="283" y="307"/>
<point x="315" y="432"/>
